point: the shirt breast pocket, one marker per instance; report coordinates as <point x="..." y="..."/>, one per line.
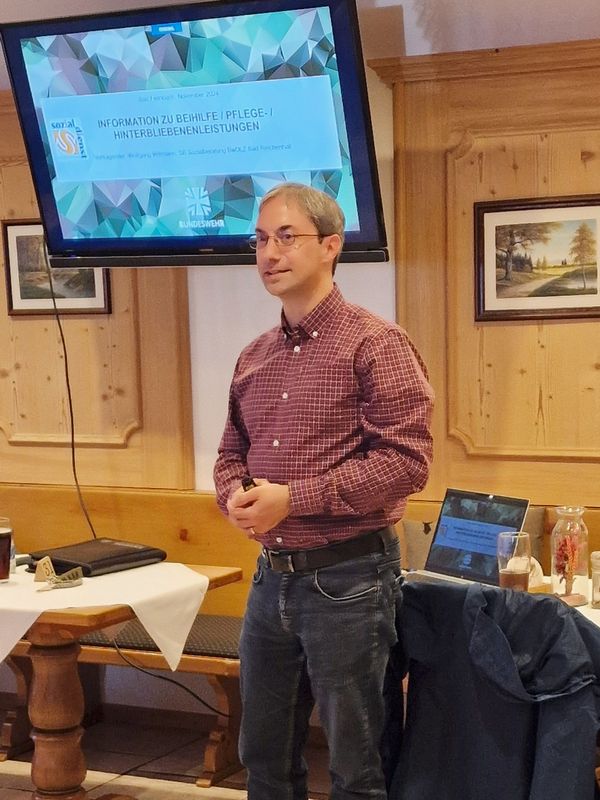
<point x="330" y="398"/>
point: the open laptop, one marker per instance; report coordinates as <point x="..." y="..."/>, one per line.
<point x="463" y="546"/>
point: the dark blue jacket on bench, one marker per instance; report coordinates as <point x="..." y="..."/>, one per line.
<point x="502" y="699"/>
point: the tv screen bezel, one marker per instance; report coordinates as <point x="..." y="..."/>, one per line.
<point x="152" y="251"/>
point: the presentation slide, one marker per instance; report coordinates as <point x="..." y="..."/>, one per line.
<point x="239" y="128"/>
<point x="177" y="129"/>
<point x="467" y="534"/>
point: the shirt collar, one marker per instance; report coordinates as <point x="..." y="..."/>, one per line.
<point x="312" y="325"/>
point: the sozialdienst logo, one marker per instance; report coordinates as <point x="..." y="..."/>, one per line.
<point x="67" y="138"/>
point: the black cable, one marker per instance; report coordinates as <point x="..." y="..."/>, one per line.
<point x="165" y="678"/>
<point x="69" y="395"/>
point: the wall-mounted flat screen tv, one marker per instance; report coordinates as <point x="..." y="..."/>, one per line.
<point x="153" y="134"/>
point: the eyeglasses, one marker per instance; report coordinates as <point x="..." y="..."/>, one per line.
<point x="281" y="239"/>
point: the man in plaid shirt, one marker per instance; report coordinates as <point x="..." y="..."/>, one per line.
<point x="329" y="413"/>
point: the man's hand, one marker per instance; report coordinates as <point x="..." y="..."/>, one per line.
<point x="259" y="509"/>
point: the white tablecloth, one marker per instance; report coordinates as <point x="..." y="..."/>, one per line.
<point x="593" y="614"/>
<point x="165" y="598"/>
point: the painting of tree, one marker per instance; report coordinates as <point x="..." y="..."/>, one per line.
<point x="537" y="258"/>
<point x="509" y="238"/>
<point x="583" y="249"/>
<point x="542" y="259"/>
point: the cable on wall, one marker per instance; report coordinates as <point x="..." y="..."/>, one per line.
<point x="69" y="394"/>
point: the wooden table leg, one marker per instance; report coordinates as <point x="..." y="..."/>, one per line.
<point x="56" y="708"/>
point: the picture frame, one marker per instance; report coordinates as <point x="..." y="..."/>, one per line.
<point x="537" y="258"/>
<point x="77" y="290"/>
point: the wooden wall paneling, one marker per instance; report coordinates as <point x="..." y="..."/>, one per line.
<point x="401" y="203"/>
<point x="106" y="396"/>
<point x="422" y="233"/>
<point x="520" y="399"/>
<point x="131" y="392"/>
<point x="507" y="62"/>
<point x="481" y="381"/>
<point x="553" y="101"/>
<point x="34" y="418"/>
<point x="574" y="161"/>
<point x="517" y="404"/>
<point x="12" y="152"/>
<point x="18" y="194"/>
<point x="166" y="378"/>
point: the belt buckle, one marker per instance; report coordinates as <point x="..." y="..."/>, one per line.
<point x="289" y="562"/>
<point x="281" y="562"/>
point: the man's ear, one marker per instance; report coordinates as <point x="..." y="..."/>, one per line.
<point x="333" y="244"/>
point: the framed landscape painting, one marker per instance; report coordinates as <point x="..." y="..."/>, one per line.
<point x="28" y="290"/>
<point x="537" y="259"/>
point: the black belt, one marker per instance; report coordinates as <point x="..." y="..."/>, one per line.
<point x="305" y="560"/>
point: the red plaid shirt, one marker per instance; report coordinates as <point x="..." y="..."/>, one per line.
<point x="339" y="409"/>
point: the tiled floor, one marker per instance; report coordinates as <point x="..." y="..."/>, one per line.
<point x="150" y="763"/>
<point x="16" y="785"/>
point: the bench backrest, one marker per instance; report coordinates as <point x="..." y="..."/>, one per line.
<point x="188" y="525"/>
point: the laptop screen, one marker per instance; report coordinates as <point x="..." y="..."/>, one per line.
<point x="464" y="541"/>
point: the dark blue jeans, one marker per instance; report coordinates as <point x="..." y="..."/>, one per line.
<point x="324" y="634"/>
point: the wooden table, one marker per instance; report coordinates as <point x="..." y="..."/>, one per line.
<point x="56" y="704"/>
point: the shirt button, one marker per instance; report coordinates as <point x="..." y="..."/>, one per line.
<point x="278" y="539"/>
<point x="275" y="442"/>
<point x="297" y="348"/>
<point x="314" y="334"/>
<point x="285" y="395"/>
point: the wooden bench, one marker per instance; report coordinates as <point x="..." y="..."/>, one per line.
<point x="211" y="650"/>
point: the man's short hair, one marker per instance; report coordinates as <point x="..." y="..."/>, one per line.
<point x="322" y="210"/>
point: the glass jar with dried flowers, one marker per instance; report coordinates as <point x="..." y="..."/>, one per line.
<point x="570" y="556"/>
